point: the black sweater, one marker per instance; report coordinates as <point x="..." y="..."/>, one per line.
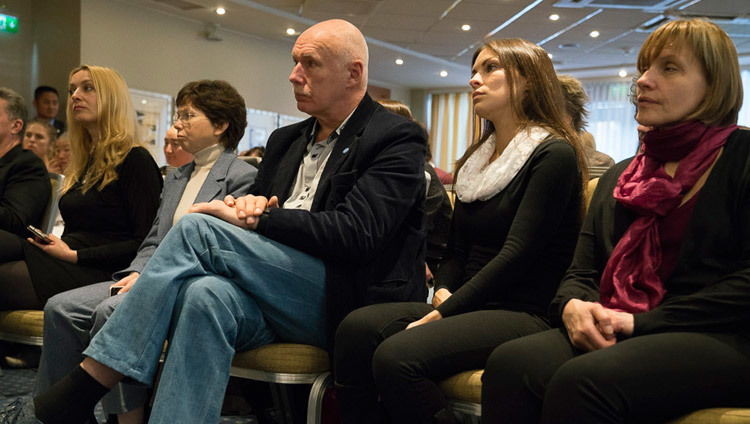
<point x="512" y="250"/>
<point x="709" y="289"/>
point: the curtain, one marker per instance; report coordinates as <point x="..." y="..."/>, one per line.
<point x="612" y="118"/>
<point x="744" y="116"/>
<point x="451" y="122"/>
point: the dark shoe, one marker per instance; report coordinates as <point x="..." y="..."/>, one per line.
<point x="19" y="412"/>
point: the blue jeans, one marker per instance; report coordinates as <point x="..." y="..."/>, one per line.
<point x="213" y="288"/>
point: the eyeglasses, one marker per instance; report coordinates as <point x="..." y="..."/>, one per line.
<point x="184" y="118"/>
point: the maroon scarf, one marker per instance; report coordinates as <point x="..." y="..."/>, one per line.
<point x="630" y="281"/>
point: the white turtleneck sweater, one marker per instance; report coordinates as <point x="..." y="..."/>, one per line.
<point x="204" y="161"/>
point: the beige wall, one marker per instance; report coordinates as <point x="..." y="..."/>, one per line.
<point x="15" y="60"/>
<point x="57" y="41"/>
<point x="159" y="53"/>
<point x="45" y="48"/>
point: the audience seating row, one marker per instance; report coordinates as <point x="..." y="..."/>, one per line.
<point x="285" y="363"/>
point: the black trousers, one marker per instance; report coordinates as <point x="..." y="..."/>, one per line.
<point x="651" y="378"/>
<point x="373" y="356"/>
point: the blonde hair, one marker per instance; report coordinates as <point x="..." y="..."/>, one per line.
<point x="116" y="126"/>
<point x="717" y="56"/>
<point x="542" y="105"/>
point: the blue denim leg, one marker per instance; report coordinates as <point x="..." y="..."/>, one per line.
<point x="124" y="397"/>
<point x="213" y="315"/>
<point x="288" y="287"/>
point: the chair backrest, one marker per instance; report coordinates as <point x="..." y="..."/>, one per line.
<point x="50" y="213"/>
<point x="590" y="192"/>
<point x="251" y="161"/>
<point x="597" y="171"/>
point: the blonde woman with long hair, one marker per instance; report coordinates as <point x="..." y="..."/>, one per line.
<point x="110" y="198"/>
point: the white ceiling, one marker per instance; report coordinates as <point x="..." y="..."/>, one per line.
<point x="427" y="34"/>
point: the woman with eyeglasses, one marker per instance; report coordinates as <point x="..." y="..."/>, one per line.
<point x="210" y="121"/>
<point x="109" y="200"/>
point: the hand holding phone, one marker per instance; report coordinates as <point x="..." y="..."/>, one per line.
<point x="40" y="236"/>
<point x="113" y="290"/>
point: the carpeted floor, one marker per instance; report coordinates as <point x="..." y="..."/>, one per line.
<point x="17" y="383"/>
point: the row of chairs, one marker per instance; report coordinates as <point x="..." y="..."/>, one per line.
<point x="282" y="364"/>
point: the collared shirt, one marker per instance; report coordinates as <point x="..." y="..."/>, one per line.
<point x="311" y="168"/>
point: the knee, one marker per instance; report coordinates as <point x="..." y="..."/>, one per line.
<point x="579" y="376"/>
<point x="505" y="363"/>
<point x="356" y="339"/>
<point x="59" y="306"/>
<point x="393" y="363"/>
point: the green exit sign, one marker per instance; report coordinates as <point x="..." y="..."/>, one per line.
<point x="8" y="24"/>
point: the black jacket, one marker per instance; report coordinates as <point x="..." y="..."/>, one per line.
<point x="25" y="190"/>
<point x="367" y="218"/>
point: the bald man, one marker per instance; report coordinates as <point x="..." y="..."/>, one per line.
<point x="334" y="221"/>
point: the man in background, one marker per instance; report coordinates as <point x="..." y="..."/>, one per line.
<point x="25" y="189"/>
<point x="47" y="104"/>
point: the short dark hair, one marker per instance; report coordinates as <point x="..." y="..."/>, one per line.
<point x="44" y="89"/>
<point x="220" y="102"/>
<point x="15" y="107"/>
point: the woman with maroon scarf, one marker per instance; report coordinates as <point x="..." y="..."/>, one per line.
<point x="654" y="312"/>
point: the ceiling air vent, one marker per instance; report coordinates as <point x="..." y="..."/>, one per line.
<point x="180" y="4"/>
<point x="619" y="4"/>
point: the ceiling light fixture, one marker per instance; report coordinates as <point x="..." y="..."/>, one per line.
<point x="443" y="74"/>
<point x="144" y="101"/>
<point x="220" y="11"/>
<point x="554" y="17"/>
<point x="465" y="27"/>
<point x="594" y="34"/>
<point x="399" y="61"/>
<point x="290" y="31"/>
<point x="550" y="55"/>
<point x="623" y="73"/>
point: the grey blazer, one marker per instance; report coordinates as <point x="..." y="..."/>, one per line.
<point x="229" y="175"/>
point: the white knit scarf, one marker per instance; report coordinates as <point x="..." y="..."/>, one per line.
<point x="482" y="180"/>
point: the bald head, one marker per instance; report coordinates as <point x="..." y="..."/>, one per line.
<point x="345" y="42"/>
<point x="330" y="72"/>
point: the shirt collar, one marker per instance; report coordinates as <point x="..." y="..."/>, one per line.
<point x="335" y="133"/>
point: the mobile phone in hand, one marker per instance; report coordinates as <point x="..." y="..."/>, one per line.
<point x="44" y="238"/>
<point x="113" y="290"/>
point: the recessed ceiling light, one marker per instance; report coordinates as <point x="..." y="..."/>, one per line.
<point x="550" y="55"/>
<point x="399" y="61"/>
<point x="220" y="11"/>
<point x="623" y="73"/>
<point x="290" y="31"/>
<point x="594" y="34"/>
<point x="443" y="74"/>
<point x="144" y="101"/>
<point x="465" y="27"/>
<point x="554" y="17"/>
